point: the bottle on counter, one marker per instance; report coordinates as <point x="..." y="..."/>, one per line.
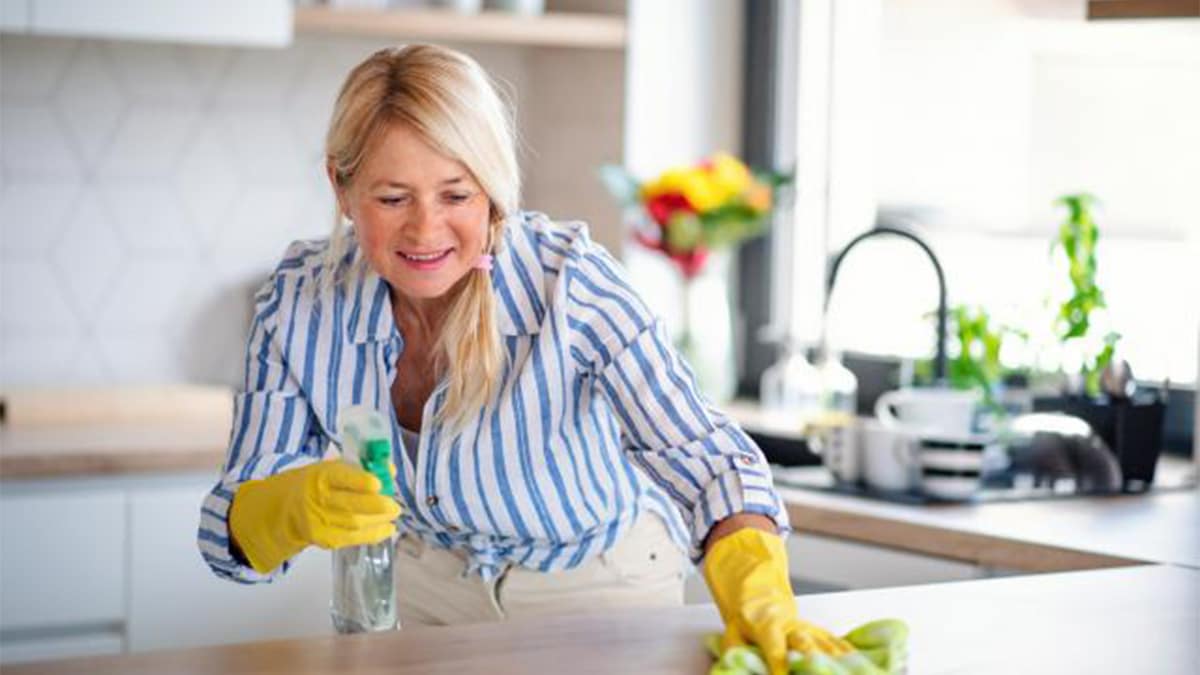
<point x="831" y="430"/>
<point x="364" y="592"/>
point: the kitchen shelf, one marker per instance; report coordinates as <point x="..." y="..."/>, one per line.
<point x="553" y="29"/>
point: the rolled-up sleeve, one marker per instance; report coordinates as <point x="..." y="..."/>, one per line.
<point x="708" y="465"/>
<point x="272" y="428"/>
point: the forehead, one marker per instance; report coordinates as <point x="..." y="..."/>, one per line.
<point x="401" y="155"/>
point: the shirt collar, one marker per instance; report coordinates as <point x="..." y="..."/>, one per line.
<point x="369" y="314"/>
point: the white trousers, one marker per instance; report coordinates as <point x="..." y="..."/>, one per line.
<point x="643" y="569"/>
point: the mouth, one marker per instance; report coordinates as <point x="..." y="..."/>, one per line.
<point x="425" y="260"/>
<point x="427" y="256"/>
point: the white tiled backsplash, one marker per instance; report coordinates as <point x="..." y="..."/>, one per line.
<point x="145" y="192"/>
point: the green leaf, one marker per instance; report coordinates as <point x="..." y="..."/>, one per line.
<point x="622" y="186"/>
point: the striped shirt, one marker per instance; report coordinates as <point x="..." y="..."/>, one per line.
<point x="596" y="419"/>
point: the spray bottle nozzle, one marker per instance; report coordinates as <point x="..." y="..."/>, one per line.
<point x="376" y="457"/>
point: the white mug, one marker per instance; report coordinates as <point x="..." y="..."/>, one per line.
<point x="891" y="456"/>
<point x="835" y="440"/>
<point x="944" y="412"/>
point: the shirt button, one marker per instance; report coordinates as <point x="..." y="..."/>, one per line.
<point x="452" y="528"/>
<point x="431" y="500"/>
<point x="747" y="459"/>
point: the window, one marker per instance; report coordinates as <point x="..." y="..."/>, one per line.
<point x="969" y="119"/>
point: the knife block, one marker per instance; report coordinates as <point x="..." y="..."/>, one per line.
<point x="1131" y="427"/>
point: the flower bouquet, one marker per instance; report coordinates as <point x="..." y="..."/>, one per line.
<point x="685" y="213"/>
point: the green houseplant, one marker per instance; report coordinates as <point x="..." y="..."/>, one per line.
<point x="1077" y="237"/>
<point x="976" y="339"/>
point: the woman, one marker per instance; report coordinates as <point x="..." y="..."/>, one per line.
<point x="552" y="451"/>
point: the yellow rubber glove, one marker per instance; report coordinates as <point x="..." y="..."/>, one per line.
<point x="328" y="504"/>
<point x="747" y="574"/>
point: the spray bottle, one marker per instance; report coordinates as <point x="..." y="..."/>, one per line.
<point x="364" y="593"/>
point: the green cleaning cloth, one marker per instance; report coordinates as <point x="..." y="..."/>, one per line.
<point x="882" y="650"/>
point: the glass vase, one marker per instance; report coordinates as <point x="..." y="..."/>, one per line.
<point x="706" y="336"/>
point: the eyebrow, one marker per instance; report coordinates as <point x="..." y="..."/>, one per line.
<point x="406" y="186"/>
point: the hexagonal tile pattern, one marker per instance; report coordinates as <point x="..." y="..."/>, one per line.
<point x="34" y="359"/>
<point x="260" y="78"/>
<point x="90" y="102"/>
<point x="146" y="191"/>
<point x="35" y="144"/>
<point x="88" y="367"/>
<point x="149" y="143"/>
<point x="149" y="218"/>
<point x="262" y="223"/>
<point x="33" y="300"/>
<point x="206" y="66"/>
<point x="30" y="67"/>
<point x="144" y="297"/>
<point x="152" y="73"/>
<point x="208" y="179"/>
<point x="88" y="255"/>
<point x="140" y="358"/>
<point x="32" y="215"/>
<point x="266" y="151"/>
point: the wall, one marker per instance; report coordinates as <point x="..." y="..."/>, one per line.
<point x="147" y="189"/>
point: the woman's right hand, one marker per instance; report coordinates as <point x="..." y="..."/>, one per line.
<point x="328" y="504"/>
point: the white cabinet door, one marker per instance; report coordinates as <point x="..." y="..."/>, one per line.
<point x="62" y="559"/>
<point x="26" y="649"/>
<point x="838" y="564"/>
<point x="258" y="22"/>
<point x="177" y="601"/>
<point x="14" y="15"/>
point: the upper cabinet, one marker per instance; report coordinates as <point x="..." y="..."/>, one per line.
<point x="552" y="29"/>
<point x="228" y="22"/>
<point x="1142" y="9"/>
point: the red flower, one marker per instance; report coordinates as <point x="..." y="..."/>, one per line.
<point x="692" y="262"/>
<point x="662" y="207"/>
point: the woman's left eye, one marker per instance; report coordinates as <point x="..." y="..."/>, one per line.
<point x="457" y="197"/>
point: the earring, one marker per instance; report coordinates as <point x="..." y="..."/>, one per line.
<point x="346" y="222"/>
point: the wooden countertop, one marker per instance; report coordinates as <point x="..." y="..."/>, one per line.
<point x="1132" y="620"/>
<point x="1032" y="536"/>
<point x="1035" y="536"/>
<point x="112" y="449"/>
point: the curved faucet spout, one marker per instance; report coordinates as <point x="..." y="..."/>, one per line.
<point x="939" y="364"/>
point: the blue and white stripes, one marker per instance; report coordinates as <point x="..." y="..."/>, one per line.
<point x="596" y="418"/>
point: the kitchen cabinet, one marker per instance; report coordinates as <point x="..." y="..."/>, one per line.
<point x="62" y="571"/>
<point x="109" y="565"/>
<point x="176" y="601"/>
<point x="231" y="22"/>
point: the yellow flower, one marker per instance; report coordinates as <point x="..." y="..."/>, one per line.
<point x="758" y="197"/>
<point x="730" y="176"/>
<point x="696" y="185"/>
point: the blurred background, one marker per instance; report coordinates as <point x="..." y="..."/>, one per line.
<point x="156" y="158"/>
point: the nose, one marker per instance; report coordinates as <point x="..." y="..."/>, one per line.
<point x="423" y="219"/>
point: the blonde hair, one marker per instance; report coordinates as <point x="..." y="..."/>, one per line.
<point x="451" y="103"/>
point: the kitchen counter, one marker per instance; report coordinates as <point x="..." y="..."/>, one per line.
<point x="1036" y="536"/>
<point x="1132" y="620"/>
<point x="1045" y="535"/>
<point x="104" y="449"/>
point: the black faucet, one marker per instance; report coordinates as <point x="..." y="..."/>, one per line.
<point x="939" y="363"/>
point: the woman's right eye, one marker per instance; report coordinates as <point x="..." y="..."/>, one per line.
<point x="392" y="201"/>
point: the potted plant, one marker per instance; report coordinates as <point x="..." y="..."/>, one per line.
<point x="1129" y="422"/>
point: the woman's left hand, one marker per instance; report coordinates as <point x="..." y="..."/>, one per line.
<point x="747" y="574"/>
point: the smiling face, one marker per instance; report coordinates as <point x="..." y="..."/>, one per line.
<point x="421" y="217"/>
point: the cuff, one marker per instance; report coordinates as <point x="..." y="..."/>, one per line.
<point x="216" y="546"/>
